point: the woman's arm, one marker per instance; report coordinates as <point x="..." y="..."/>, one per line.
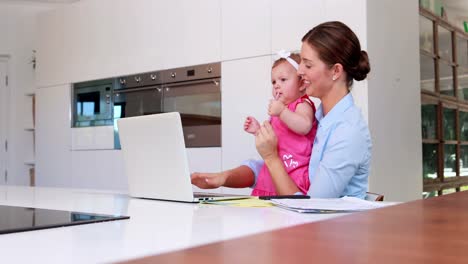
<point x="239" y="177"/>
<point x="266" y="143"/>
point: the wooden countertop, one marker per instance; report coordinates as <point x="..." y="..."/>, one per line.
<point x="424" y="231"/>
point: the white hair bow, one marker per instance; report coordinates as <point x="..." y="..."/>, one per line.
<point x="285" y="55"/>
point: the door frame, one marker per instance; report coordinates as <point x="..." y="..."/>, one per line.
<point x="6" y="102"/>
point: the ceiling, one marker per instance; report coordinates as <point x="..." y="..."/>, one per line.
<point x="460" y="6"/>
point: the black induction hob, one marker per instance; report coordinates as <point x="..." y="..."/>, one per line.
<point x="19" y="219"/>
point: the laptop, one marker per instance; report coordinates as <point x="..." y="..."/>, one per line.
<point x="155" y="159"/>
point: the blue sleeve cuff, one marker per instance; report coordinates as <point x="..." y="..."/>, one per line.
<point x="255" y="166"/>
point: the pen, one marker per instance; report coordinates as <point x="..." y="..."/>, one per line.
<point x="284" y="197"/>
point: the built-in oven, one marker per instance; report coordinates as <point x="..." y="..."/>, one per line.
<point x="193" y="91"/>
<point x="92" y="103"/>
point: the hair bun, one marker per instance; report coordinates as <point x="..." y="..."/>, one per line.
<point x="361" y="70"/>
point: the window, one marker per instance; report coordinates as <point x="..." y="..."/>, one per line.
<point x="444" y="105"/>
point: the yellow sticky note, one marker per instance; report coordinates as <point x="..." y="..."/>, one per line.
<point x="250" y="202"/>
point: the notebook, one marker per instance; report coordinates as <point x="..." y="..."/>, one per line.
<point x="155" y="159"/>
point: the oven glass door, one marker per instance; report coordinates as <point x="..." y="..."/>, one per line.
<point x="199" y="104"/>
<point x="137" y="102"/>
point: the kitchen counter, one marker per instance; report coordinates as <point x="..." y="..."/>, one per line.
<point x="154" y="227"/>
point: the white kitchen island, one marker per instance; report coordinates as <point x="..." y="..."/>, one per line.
<point x="154" y="226"/>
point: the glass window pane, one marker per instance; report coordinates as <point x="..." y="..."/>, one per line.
<point x="446" y="78"/>
<point x="448" y="191"/>
<point x="430" y="161"/>
<point x="430" y="194"/>
<point x="445" y="43"/>
<point x="450" y="161"/>
<point x="462" y="52"/>
<point x="427" y="73"/>
<point x="463" y="119"/>
<point x="463" y="83"/>
<point x="429" y="121"/>
<point x="426" y="34"/>
<point x="464" y="160"/>
<point x="449" y="116"/>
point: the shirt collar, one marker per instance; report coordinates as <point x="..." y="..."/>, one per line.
<point x="335" y="113"/>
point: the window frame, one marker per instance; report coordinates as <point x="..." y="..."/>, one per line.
<point x="442" y="101"/>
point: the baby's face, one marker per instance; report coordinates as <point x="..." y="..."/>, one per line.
<point x="285" y="82"/>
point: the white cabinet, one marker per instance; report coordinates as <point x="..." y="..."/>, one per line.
<point x="355" y="19"/>
<point x="99" y="39"/>
<point x="246" y="91"/>
<point x="102" y="169"/>
<point x="53" y="156"/>
<point x="92" y="138"/>
<point x="191" y="32"/>
<point x="245" y="28"/>
<point x="291" y="20"/>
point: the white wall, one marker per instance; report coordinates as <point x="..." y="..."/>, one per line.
<point x="18" y="34"/>
<point x="79" y="43"/>
<point x="394" y="99"/>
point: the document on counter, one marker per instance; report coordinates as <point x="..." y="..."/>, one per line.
<point x="330" y="205"/>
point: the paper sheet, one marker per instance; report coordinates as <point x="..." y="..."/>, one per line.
<point x="335" y="205"/>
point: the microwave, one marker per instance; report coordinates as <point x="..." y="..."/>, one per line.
<point x="92" y="103"/>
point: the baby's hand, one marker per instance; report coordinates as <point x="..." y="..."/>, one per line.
<point x="275" y="108"/>
<point x="251" y="125"/>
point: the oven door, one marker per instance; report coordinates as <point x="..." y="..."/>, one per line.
<point x="199" y="104"/>
<point x="137" y="102"/>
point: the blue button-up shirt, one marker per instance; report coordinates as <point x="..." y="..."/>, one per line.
<point x="341" y="155"/>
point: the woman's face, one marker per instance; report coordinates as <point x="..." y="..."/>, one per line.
<point x="316" y="75"/>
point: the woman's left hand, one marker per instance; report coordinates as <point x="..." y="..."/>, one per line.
<point x="266" y="141"/>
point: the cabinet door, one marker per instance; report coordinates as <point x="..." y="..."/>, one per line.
<point x="53" y="134"/>
<point x="98" y="169"/>
<point x="191" y="32"/>
<point x="291" y="20"/>
<point x="246" y="91"/>
<point x="246" y="28"/>
<point x="353" y="13"/>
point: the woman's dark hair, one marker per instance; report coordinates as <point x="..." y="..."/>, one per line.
<point x="336" y="43"/>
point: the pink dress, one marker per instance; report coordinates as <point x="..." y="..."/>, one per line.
<point x="294" y="150"/>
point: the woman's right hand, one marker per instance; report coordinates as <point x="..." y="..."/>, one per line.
<point x="208" y="180"/>
<point x="267" y="142"/>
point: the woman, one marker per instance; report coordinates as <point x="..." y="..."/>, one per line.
<point x="331" y="58"/>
